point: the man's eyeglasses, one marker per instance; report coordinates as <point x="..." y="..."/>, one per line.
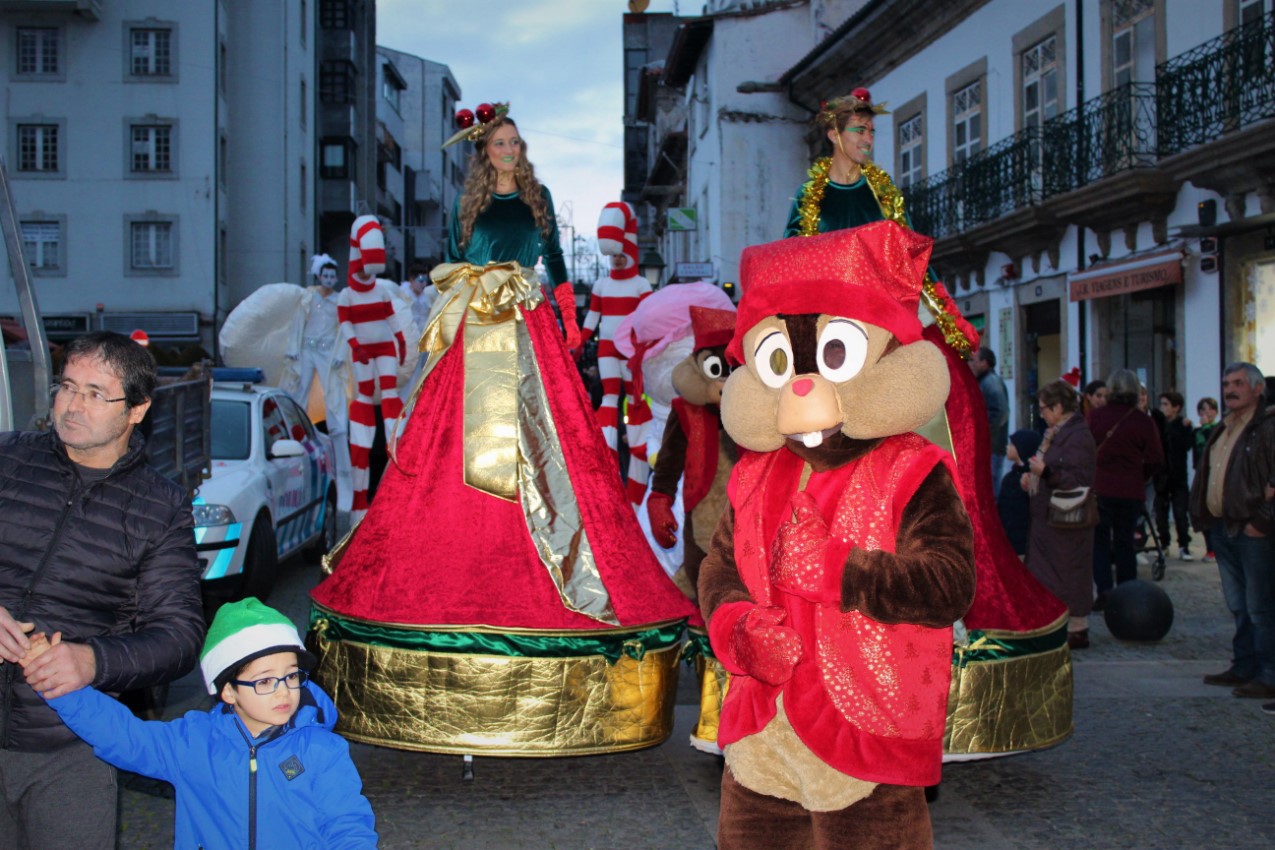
<point x="421" y="278"/>
<point x="265" y="687"/>
<point x="91" y="398"/>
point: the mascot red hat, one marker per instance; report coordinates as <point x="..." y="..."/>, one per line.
<point x="873" y="272"/>
<point x="711" y="327"/>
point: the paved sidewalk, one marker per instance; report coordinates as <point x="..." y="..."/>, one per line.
<point x="1158" y="760"/>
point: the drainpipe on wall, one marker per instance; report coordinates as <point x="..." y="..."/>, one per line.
<point x="1083" y="310"/>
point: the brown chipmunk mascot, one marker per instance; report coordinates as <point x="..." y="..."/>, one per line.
<point x="845" y="555"/>
<point x="695" y="446"/>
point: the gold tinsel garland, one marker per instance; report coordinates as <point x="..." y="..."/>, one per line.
<point x="890" y="199"/>
<point x="812" y="195"/>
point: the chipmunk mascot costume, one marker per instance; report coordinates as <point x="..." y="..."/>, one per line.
<point x="845" y="554"/>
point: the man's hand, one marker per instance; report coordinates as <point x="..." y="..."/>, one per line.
<point x="13" y="637"/>
<point x="402" y="347"/>
<point x="359" y="354"/>
<point x="63" y="668"/>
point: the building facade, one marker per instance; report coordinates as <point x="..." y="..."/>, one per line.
<point x="238" y="142"/>
<point x="1096" y="173"/>
<point x="433" y="177"/>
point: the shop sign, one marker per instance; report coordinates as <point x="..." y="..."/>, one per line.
<point x="1123" y="278"/>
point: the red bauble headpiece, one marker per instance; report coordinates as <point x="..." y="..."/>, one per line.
<point x="871" y="273"/>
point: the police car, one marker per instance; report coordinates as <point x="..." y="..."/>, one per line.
<point x="272" y="493"/>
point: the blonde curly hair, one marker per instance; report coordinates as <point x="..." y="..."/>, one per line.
<point x="480" y="185"/>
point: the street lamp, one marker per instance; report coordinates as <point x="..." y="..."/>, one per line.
<point x="652" y="267"/>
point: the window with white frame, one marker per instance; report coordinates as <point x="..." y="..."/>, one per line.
<point x="152" y="149"/>
<point x="42" y="245"/>
<point x="1040" y="82"/>
<point x="38" y="51"/>
<point x="911" y="144"/>
<point x="1132" y="41"/>
<point x="38" y="147"/>
<point x="151" y="246"/>
<point x="151" y="51"/>
<point x="967" y="121"/>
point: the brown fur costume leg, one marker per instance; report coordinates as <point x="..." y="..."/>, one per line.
<point x="894" y="817"/>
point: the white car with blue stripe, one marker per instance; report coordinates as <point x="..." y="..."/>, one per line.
<point x="272" y="492"/>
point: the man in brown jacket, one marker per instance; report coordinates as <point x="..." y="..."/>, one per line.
<point x="1232" y="498"/>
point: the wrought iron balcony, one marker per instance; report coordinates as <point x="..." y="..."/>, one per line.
<point x="1223" y="84"/>
<point x="991" y="183"/>
<point x="1102" y="137"/>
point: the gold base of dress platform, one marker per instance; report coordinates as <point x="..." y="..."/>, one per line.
<point x="1011" y="692"/>
<point x="498" y="692"/>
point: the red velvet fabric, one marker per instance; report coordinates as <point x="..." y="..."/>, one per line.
<point x="1007" y="597"/>
<point x="434" y="551"/>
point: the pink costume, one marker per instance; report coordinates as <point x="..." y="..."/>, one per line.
<point x="375" y="334"/>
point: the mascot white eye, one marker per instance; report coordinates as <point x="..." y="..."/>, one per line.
<point x="773" y="359"/>
<point x="714" y="367"/>
<point x="843" y="348"/>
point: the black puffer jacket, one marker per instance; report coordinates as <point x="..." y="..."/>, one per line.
<point x="111" y="564"/>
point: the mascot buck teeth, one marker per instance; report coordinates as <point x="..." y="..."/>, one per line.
<point x="845" y="554"/>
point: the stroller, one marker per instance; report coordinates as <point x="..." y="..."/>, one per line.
<point x="1146" y="540"/>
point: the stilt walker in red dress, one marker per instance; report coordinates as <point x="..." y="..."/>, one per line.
<point x="499" y="598"/>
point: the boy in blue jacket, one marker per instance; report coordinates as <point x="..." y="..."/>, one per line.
<point x="261" y="769"/>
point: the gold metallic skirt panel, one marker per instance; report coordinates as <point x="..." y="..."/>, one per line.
<point x="1018" y="701"/>
<point x="495" y="705"/>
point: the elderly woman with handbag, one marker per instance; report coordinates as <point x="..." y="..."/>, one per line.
<point x="1064" y="507"/>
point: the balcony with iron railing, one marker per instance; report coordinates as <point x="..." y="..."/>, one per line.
<point x="1224" y="84"/>
<point x="1102" y="164"/>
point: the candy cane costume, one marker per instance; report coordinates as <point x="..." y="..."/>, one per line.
<point x="377" y="346"/>
<point x="614" y="297"/>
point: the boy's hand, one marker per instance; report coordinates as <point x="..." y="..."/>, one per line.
<point x="40" y="644"/>
<point x="62" y="668"/>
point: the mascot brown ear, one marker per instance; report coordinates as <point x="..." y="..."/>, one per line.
<point x="904" y="390"/>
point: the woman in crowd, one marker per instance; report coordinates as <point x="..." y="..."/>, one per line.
<point x="1062" y="558"/>
<point x="500" y="557"/>
<point x="1129" y="453"/>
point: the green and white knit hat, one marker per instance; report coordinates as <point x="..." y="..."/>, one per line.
<point x="244" y="631"/>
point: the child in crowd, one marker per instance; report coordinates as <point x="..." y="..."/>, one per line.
<point x="1172" y="485"/>
<point x="1012" y="501"/>
<point x="1207" y="410"/>
<point x="261" y="769"/>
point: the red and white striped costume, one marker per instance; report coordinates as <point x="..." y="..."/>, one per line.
<point x="375" y="334"/>
<point x="615" y="297"/>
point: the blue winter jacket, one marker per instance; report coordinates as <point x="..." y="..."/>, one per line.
<point x="307" y="791"/>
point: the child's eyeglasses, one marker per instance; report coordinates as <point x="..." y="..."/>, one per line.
<point x="265" y="687"/>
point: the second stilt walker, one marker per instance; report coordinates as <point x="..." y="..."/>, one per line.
<point x="499" y="597"/>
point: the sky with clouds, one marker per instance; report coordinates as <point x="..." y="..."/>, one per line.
<point x="559" y="64"/>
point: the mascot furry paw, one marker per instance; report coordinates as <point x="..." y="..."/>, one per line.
<point x="845" y="554"/>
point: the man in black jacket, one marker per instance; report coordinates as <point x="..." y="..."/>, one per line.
<point x="99" y="548"/>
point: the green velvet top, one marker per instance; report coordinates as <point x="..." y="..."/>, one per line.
<point x="844" y="205"/>
<point x="506" y="231"/>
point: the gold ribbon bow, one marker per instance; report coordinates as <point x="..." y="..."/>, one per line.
<point x="511" y="446"/>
